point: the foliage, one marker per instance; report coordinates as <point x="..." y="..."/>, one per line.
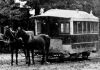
<point x="12" y="12"/>
<point x="9" y="9"/>
<point x="85" y="5"/>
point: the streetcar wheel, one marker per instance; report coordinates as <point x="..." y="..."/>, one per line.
<point x="75" y="55"/>
<point x="61" y="58"/>
<point x="85" y="55"/>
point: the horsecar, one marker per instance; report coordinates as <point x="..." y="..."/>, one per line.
<point x="73" y="33"/>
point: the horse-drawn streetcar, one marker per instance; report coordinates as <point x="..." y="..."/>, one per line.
<point x="72" y="32"/>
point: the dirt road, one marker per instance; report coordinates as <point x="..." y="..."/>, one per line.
<point x="93" y="64"/>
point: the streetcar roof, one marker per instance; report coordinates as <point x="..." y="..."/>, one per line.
<point x="73" y="14"/>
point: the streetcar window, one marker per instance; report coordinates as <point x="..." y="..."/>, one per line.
<point x="79" y="27"/>
<point x="96" y="27"/>
<point x="64" y="28"/>
<point x="84" y="27"/>
<point x="92" y="27"/>
<point x="88" y="27"/>
<point x="75" y="27"/>
<point x="67" y="28"/>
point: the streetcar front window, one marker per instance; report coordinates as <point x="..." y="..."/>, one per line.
<point x="64" y="28"/>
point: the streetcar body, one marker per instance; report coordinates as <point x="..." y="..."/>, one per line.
<point x="71" y="31"/>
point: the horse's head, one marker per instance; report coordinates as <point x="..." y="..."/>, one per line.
<point x="21" y="34"/>
<point x="9" y="33"/>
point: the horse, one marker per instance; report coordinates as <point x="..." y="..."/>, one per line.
<point x="31" y="42"/>
<point x="13" y="42"/>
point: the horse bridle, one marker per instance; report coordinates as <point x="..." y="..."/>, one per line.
<point x="11" y="34"/>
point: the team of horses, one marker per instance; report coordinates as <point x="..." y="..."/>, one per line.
<point x="28" y="42"/>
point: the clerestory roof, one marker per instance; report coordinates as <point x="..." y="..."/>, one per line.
<point x="76" y="15"/>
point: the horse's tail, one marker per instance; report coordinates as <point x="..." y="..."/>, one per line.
<point x="45" y="36"/>
<point x="47" y="44"/>
<point x="47" y="40"/>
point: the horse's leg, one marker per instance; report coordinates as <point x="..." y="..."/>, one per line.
<point x="24" y="52"/>
<point x="28" y="57"/>
<point x="12" y="52"/>
<point x="43" y="57"/>
<point x="16" y="56"/>
<point x="47" y="53"/>
<point x="47" y="50"/>
<point x="32" y="51"/>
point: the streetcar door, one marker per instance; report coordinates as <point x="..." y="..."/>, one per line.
<point x="44" y="28"/>
<point x="54" y="29"/>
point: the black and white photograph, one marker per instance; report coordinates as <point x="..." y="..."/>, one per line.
<point x="49" y="34"/>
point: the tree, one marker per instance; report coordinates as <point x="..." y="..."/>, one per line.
<point x="96" y="9"/>
<point x="11" y="10"/>
<point x="85" y="5"/>
<point x="15" y="16"/>
<point x="36" y="4"/>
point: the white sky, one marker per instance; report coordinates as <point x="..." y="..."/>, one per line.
<point x="21" y="2"/>
<point x="24" y="2"/>
<point x="17" y="1"/>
